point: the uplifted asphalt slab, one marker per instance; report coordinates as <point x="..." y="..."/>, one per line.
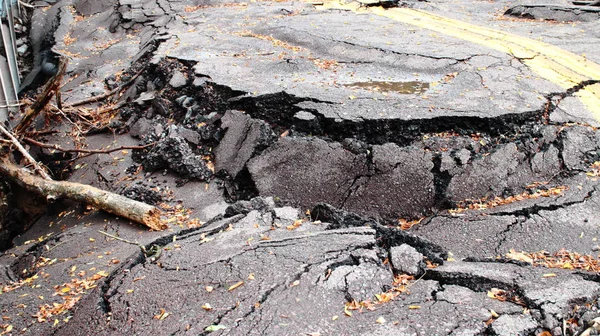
<point x="439" y="145"/>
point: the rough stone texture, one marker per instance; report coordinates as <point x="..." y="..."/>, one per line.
<point x="554" y="296"/>
<point x="243" y="138"/>
<point x="178" y="80"/>
<point x="511" y="325"/>
<point x="306" y="171"/>
<point x="286" y="215"/>
<point x="401" y="185"/>
<point x="555" y="13"/>
<point x="406" y="259"/>
<point x="173" y="152"/>
<point x="580" y="147"/>
<point x="526" y="225"/>
<point x="490" y="175"/>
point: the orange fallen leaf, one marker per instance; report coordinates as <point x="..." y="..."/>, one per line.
<point x="161" y="315"/>
<point x="519" y="256"/>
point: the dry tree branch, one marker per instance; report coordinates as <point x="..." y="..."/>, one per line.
<point x="122" y="206"/>
<point x="48" y="92"/>
<point x="83" y="150"/>
<point x="25" y="153"/>
<point x="107" y="94"/>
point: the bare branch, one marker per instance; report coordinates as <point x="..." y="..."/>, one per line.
<point x="119" y="205"/>
<point x="83" y="150"/>
<point x="105" y="95"/>
<point x="25" y="153"/>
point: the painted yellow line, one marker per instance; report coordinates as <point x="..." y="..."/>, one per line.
<point x="554" y="64"/>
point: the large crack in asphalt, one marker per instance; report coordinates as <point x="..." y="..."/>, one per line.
<point x="273" y="140"/>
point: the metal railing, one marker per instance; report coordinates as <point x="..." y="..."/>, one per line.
<point x="9" y="70"/>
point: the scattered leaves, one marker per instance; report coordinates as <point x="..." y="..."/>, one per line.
<point x="399" y="286"/>
<point x="594" y="170"/>
<point x="483" y="204"/>
<point x="504" y="295"/>
<point x="70" y="294"/>
<point x="6" y="328"/>
<point x="520" y="256"/>
<point x="274" y="41"/>
<point x="15" y="285"/>
<point x="297" y="223"/>
<point x="562" y="259"/>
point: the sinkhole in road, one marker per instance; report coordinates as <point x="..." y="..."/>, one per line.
<point x="389" y="169"/>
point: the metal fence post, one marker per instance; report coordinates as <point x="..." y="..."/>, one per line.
<point x="9" y="70"/>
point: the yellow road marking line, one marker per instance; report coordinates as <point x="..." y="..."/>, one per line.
<point x="554" y="64"/>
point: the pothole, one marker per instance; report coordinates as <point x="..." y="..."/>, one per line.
<point x="387" y="169"/>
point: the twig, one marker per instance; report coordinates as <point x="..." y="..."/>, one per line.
<point x="26" y="154"/>
<point x="47" y="132"/>
<point x="107" y="94"/>
<point x="152" y="253"/>
<point x="83" y="150"/>
<point x="119" y="238"/>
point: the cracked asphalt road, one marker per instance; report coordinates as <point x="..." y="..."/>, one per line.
<point x="433" y="134"/>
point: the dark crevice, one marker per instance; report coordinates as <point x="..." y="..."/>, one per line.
<point x="473" y="282"/>
<point x="441" y="180"/>
<point x="553" y="99"/>
<point x="535" y="209"/>
<point x="386" y="236"/>
<point x="503" y="235"/>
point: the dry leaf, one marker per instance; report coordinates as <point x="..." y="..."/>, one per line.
<point x="520" y="256"/>
<point x="380" y="320"/>
<point x="161" y="315"/>
<point x="233" y="287"/>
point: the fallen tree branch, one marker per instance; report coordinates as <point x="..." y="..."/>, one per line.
<point x="50" y="90"/>
<point x="25" y="153"/>
<point x="83" y="150"/>
<point x="116" y="204"/>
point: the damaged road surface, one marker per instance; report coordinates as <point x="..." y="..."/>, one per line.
<point x="336" y="168"/>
